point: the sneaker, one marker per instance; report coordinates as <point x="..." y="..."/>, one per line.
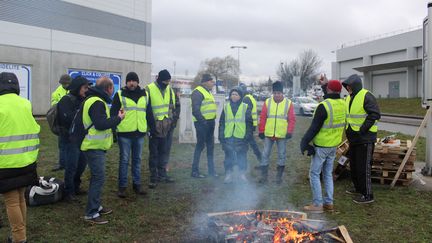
<point x="214" y="175"/>
<point x="363" y="200"/>
<point x="70" y="198"/>
<point x="152" y="184"/>
<point x="352" y="191"/>
<point x="97" y="220"/>
<point x="80" y="192"/>
<point x="313" y="209"/>
<point x="228" y="178"/>
<point x="197" y="175"/>
<point x="105" y="211"/>
<point x="243" y="178"/>
<point x="166" y="179"/>
<point x="328" y="207"/>
<point x="138" y="190"/>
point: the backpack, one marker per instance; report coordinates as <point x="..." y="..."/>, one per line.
<point x="77" y="132"/>
<point x="52" y="117"/>
<point x="49" y="190"/>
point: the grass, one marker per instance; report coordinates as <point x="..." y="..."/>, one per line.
<point x="176" y="212"/>
<point x="402" y="106"/>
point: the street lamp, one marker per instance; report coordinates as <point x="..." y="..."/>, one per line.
<point x="238" y="59"/>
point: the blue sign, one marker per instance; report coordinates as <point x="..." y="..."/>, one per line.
<point x="92" y="76"/>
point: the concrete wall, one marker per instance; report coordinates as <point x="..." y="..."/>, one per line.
<point x="381" y="84"/>
<point x="48" y="66"/>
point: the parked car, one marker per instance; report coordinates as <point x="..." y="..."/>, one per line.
<point x="304" y="106"/>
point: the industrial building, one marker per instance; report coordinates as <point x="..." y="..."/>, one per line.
<point x="391" y="67"/>
<point x="40" y="40"/>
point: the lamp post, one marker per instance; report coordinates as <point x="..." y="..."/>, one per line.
<point x="238" y="59"/>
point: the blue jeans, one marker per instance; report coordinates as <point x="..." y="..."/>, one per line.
<point x="322" y="161"/>
<point x="74" y="168"/>
<point x="127" y="145"/>
<point x="205" y="137"/>
<point x="63" y="141"/>
<point x="235" y="154"/>
<point x="281" y="147"/>
<point x="96" y="162"/>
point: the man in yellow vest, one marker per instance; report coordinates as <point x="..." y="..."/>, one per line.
<point x="251" y="102"/>
<point x="98" y="123"/>
<point x="160" y="110"/>
<point x="56" y="96"/>
<point x="19" y="148"/>
<point x="325" y="131"/>
<point x="130" y="132"/>
<point x="362" y="114"/>
<point x="277" y="122"/>
<point x="204" y="115"/>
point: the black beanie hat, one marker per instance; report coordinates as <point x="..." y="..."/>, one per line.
<point x="206" y="77"/>
<point x="76" y="84"/>
<point x="277" y="86"/>
<point x="236" y="89"/>
<point x="9" y="83"/>
<point x="132" y="76"/>
<point x="163" y="75"/>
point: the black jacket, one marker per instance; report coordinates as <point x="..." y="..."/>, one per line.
<point x="317" y="122"/>
<point x="97" y="111"/>
<point x="197" y="98"/>
<point x="67" y="108"/>
<point x="249" y="121"/>
<point x="373" y="114"/>
<point x="155" y="129"/>
<point x="134" y="95"/>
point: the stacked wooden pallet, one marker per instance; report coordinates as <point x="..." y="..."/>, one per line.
<point x="387" y="159"/>
<point x="342" y="160"/>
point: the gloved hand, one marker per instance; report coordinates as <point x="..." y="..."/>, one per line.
<point x="288" y="136"/>
<point x="309" y="148"/>
<point x="114" y="137"/>
<point x="261" y="135"/>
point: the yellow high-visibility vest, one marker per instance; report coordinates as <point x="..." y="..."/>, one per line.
<point x="356" y="115"/>
<point x="95" y="139"/>
<point x="277" y="118"/>
<point x="235" y="125"/>
<point x="254" y="109"/>
<point x="160" y="104"/>
<point x="58" y="94"/>
<point x="135" y="117"/>
<point x="330" y="134"/>
<point x="208" y="106"/>
<point x="19" y="132"/>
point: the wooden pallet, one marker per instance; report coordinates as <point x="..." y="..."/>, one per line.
<point x="386" y="181"/>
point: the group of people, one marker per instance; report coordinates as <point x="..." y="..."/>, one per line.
<point x="154" y="110"/>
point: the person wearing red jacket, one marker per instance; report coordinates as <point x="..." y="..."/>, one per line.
<point x="277" y="122"/>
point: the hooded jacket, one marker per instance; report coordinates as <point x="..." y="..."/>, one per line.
<point x="69" y="105"/>
<point x="370" y="106"/>
<point x="97" y="111"/>
<point x="234" y="108"/>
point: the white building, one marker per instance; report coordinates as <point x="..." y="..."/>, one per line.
<point x="391" y="67"/>
<point x="47" y="38"/>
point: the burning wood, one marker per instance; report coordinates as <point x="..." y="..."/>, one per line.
<point x="271" y="226"/>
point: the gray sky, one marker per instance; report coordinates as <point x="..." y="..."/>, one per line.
<point x="189" y="31"/>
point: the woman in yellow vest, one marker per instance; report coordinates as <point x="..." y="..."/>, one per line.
<point x="361" y="131"/>
<point x="19" y="148"/>
<point x="235" y="128"/>
<point x="325" y="131"/>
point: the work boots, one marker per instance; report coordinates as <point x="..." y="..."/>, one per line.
<point x="138" y="190"/>
<point x="264" y="174"/>
<point x="121" y="192"/>
<point x="280" y="170"/>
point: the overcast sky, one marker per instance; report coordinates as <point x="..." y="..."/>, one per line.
<point x="189" y="31"/>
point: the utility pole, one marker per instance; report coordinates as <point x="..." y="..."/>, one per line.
<point x="238" y="59"/>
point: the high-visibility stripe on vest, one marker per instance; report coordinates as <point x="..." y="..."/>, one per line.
<point x="58" y="94"/>
<point x="277" y="118"/>
<point x="19" y="132"/>
<point x="356" y="115"/>
<point x="330" y="134"/>
<point x="95" y="139"/>
<point x="254" y="109"/>
<point x="135" y="117"/>
<point x="235" y="125"/>
<point x="208" y="106"/>
<point x="160" y="104"/>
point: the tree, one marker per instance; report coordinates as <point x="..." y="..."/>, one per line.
<point x="306" y="65"/>
<point x="225" y="69"/>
